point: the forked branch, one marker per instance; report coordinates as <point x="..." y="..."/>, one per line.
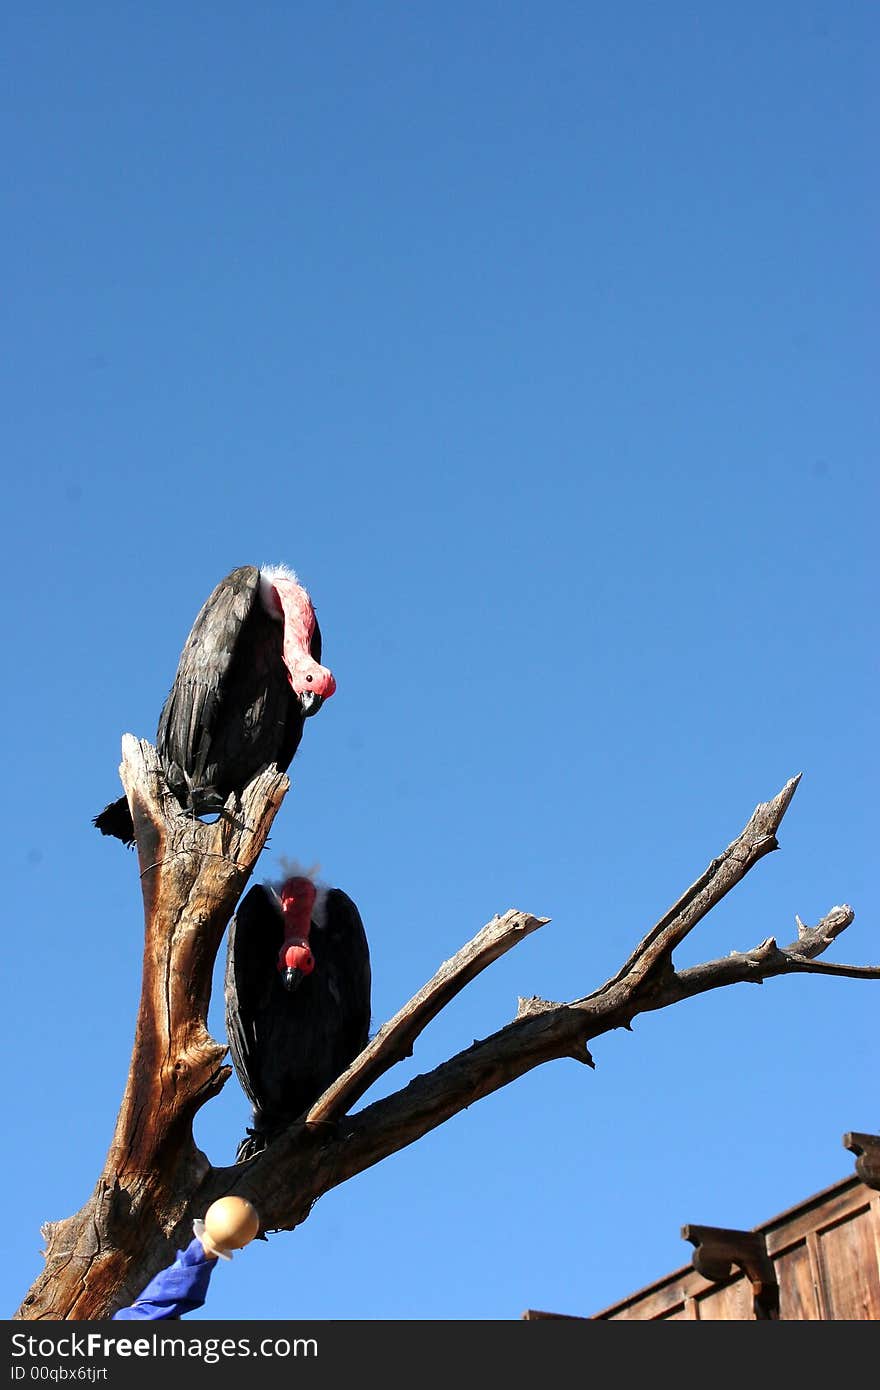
<point x="155" y="1180"/>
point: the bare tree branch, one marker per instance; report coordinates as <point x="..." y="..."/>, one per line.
<point x="395" y="1039"/>
<point x="155" y="1179"/>
<point x="549" y="1032"/>
<point x="757" y="839"/>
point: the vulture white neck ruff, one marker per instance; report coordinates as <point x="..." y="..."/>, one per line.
<point x="268" y="576"/>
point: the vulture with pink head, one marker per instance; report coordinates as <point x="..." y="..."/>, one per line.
<point x="249" y="676"/>
<point x="297" y="990"/>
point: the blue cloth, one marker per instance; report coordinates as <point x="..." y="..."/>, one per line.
<point x="176" y="1290"/>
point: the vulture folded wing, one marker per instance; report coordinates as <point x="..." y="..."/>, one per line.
<point x="255" y="936"/>
<point x="351" y="974"/>
<point x="189" y="719"/>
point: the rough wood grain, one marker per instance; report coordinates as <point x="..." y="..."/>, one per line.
<point x="866" y="1147"/>
<point x="192" y="875"/>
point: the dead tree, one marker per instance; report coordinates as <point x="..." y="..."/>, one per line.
<point x="155" y="1180"/>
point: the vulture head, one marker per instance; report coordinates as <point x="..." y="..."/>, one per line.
<point x="285" y="599"/>
<point x="295" y="960"/>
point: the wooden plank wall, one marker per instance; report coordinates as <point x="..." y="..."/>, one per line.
<point x="826" y="1256"/>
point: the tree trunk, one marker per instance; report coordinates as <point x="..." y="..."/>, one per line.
<point x="155" y="1180"/>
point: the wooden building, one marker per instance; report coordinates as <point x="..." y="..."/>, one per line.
<point x="818" y="1261"/>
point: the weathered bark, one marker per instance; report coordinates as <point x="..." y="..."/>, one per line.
<point x="155" y="1180"/>
<point x="192" y="876"/>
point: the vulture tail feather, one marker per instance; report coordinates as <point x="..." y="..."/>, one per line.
<point x="115" y="819"/>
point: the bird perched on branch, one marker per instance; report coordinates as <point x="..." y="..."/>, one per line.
<point x="297" y="998"/>
<point x="248" y="678"/>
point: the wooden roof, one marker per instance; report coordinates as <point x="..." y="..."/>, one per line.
<point x="818" y="1261"/>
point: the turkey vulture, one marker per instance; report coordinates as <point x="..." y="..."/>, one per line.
<point x="248" y="678"/>
<point x="297" y="999"/>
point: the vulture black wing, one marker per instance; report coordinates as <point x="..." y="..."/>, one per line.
<point x="251" y="984"/>
<point x="341" y="949"/>
<point x="288" y="1047"/>
<point x="192" y="724"/>
<point x="231" y="709"/>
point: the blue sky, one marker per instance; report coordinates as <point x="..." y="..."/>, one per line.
<point x="537" y="339"/>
